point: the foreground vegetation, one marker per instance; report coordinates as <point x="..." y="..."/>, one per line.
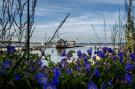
<point x="107" y="69"/>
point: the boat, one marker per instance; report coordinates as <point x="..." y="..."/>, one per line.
<point x="61" y="43"/>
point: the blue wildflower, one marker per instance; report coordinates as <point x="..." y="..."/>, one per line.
<point x="55" y="80"/>
<point x="94" y="57"/>
<point x="114" y="57"/>
<point x="56" y="75"/>
<point x="91" y="85"/>
<point x="85" y="57"/>
<point x="110" y="50"/>
<point x="104" y="49"/>
<point x="32" y="68"/>
<point x="129" y="78"/>
<point x="121" y="54"/>
<point x="106" y="85"/>
<point x="97" y="72"/>
<point x="39" y="75"/>
<point x="40" y="62"/>
<point x="69" y="71"/>
<point x="79" y="67"/>
<point x="110" y="83"/>
<point x="56" y="72"/>
<point x="132" y="56"/>
<point x="95" y="52"/>
<point x="79" y="54"/>
<point x="100" y="54"/>
<point x="50" y="86"/>
<point x="89" y="52"/>
<point x="129" y="67"/>
<point x="42" y="78"/>
<point x="6" y="64"/>
<point x="78" y="62"/>
<point x="63" y="63"/>
<point x="10" y="49"/>
<point x="17" y="77"/>
<point x="87" y="66"/>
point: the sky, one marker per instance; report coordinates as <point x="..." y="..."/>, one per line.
<point x="83" y="13"/>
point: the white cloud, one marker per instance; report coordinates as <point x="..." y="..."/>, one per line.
<point x="80" y="26"/>
<point x="47" y="10"/>
<point x="102" y="1"/>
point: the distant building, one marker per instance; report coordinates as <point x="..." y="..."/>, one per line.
<point x="71" y="43"/>
<point x="65" y="44"/>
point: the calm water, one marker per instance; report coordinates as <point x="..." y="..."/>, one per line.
<point x="55" y="53"/>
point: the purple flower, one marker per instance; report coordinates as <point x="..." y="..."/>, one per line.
<point x="6" y="64"/>
<point x="114" y="57"/>
<point x="110" y="50"/>
<point x="132" y="56"/>
<point x="69" y="71"/>
<point x="104" y="49"/>
<point x="91" y="85"/>
<point x="85" y="57"/>
<point x="100" y="54"/>
<point x="89" y="52"/>
<point x="121" y="54"/>
<point x="110" y="83"/>
<point x="42" y="78"/>
<point x="56" y="72"/>
<point x="94" y="57"/>
<point x="56" y="75"/>
<point x="40" y="62"/>
<point x="106" y="85"/>
<point x="79" y="67"/>
<point x="64" y="63"/>
<point x="55" y="81"/>
<point x="95" y="52"/>
<point x="78" y="62"/>
<point x="129" y="67"/>
<point x="97" y="72"/>
<point x="79" y="54"/>
<point x="17" y="77"/>
<point x="32" y="68"/>
<point x="50" y="86"/>
<point x="129" y="78"/>
<point x="87" y="66"/>
<point x="10" y="49"/>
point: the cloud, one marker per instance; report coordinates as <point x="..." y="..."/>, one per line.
<point x="49" y="10"/>
<point x="102" y="1"/>
<point x="49" y="13"/>
<point x="80" y="26"/>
